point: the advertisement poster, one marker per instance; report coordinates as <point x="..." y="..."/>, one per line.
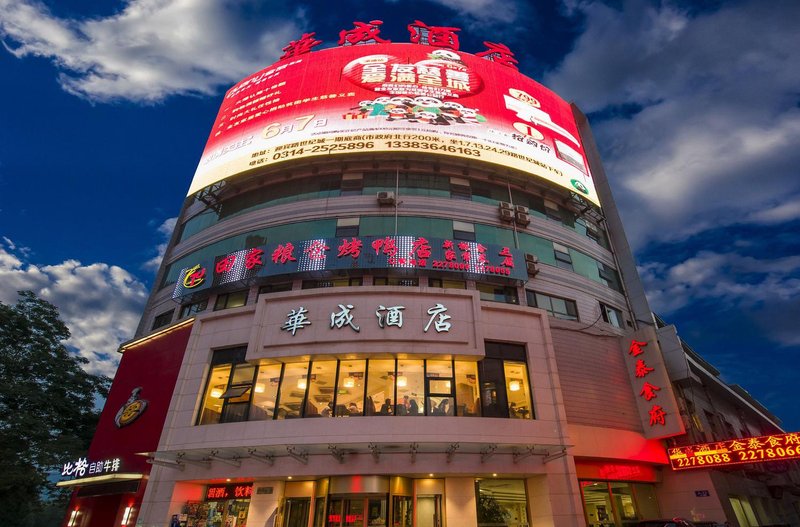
<point x="395" y="98"/>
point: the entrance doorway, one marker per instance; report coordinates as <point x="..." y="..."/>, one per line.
<point x="429" y="511"/>
<point x="357" y="511"/>
<point x="295" y="510"/>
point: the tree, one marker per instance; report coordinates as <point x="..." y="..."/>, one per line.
<point x="47" y="407"/>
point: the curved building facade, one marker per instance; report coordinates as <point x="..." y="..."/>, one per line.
<point x="398" y="293"/>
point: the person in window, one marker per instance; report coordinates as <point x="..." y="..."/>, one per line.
<point x="327" y="411"/>
<point x="402" y="407"/>
<point x="369" y="406"/>
<point x="444" y="408"/>
<point x="386" y="407"/>
<point x="353" y="409"/>
<point x="413" y="407"/>
<point x="514" y="412"/>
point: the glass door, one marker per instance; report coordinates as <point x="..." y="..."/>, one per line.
<point x="402" y="511"/>
<point x="296" y="512"/>
<point x="429" y="511"/>
<point x="357" y="511"/>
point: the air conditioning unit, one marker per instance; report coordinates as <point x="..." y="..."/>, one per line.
<point x="386" y="198"/>
<point x="532" y="268"/>
<point x="522" y="219"/>
<point x="504" y="205"/>
<point x="506" y="215"/>
<point x="531" y="258"/>
<point x="521" y="209"/>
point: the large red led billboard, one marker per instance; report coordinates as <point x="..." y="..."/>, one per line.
<point x="395" y="98"/>
<point x="777" y="447"/>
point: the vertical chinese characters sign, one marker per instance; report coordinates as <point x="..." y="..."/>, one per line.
<point x="658" y="409"/>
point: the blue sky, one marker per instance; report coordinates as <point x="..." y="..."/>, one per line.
<point x="695" y="107"/>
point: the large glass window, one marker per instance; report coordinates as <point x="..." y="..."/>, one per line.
<point x="516" y="374"/>
<point x="321" y="389"/>
<point x="350" y="390"/>
<point x="618" y="503"/>
<point x="467" y="392"/>
<point x="293" y="390"/>
<point x="611" y="315"/>
<point x="501" y="503"/>
<point x="497" y="293"/>
<point x="410" y="387"/>
<point x="562" y="308"/>
<point x="381" y="385"/>
<point x="496" y="386"/>
<point x="228" y="388"/>
<point x="265" y="392"/>
<point x="439" y="384"/>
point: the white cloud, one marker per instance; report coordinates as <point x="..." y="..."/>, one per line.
<point x="716" y="137"/>
<point x="717" y="276"/>
<point x="151" y="49"/>
<point x="100" y="303"/>
<point x="482" y="12"/>
<point x="165" y="230"/>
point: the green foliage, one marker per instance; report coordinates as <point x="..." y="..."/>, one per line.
<point x="489" y="511"/>
<point x="47" y="407"/>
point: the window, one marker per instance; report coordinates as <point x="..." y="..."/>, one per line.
<point x="609" y="277"/>
<point x="557" y="307"/>
<point x="381" y="385"/>
<point x="497" y="293"/>
<point x="501" y="502"/>
<point x="410" y="388"/>
<point x="460" y="189"/>
<point x="463" y="231"/>
<point x="229" y="300"/>
<point x="439" y="388"/>
<point x="196" y="307"/>
<point x="713" y="427"/>
<point x="563" y="258"/>
<point x="503" y="377"/>
<point x="447" y="284"/>
<point x="292" y="390"/>
<point x="611" y="315"/>
<point x="406" y="281"/>
<point x="352" y="184"/>
<point x="274" y="288"/>
<point x="350" y="390"/>
<point x="228" y="388"/>
<point x="163" y="319"/>
<point x="496" y="386"/>
<point x="346" y="227"/>
<point x="333" y="282"/>
<point x="320" y="389"/>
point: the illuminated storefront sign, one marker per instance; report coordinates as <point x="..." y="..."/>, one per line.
<point x="655" y="400"/>
<point x="297" y="319"/>
<point x="761" y="449"/>
<point x="355" y="253"/>
<point x="427" y="97"/>
<point x="229" y="492"/>
<point x="82" y="467"/>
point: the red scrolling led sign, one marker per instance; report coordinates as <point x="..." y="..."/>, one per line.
<point x="358" y="252"/>
<point x="760" y="449"/>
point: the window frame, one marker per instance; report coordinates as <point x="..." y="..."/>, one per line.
<point x="534" y="295"/>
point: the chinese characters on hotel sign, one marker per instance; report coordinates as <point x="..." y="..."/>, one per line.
<point x="298" y="319"/>
<point x="655" y="400"/>
<point x="364" y="252"/>
<point x="761" y="449"/>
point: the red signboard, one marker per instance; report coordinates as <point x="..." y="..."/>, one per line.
<point x="736" y="451"/>
<point x="388" y="97"/>
<point x="229" y="492"/>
